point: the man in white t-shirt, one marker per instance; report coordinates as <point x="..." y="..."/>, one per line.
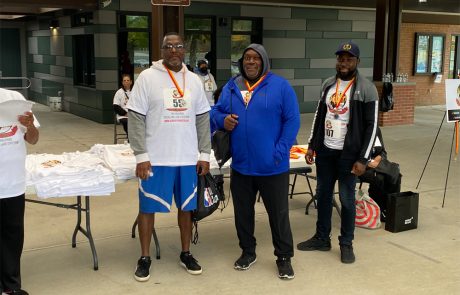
<point x="12" y="198"/>
<point x="168" y="127"/>
<point x="120" y="100"/>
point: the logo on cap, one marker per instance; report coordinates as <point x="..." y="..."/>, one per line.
<point x="346" y="47"/>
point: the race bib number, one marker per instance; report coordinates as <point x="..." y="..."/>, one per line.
<point x="208" y="86"/>
<point x="333" y="128"/>
<point x="173" y="101"/>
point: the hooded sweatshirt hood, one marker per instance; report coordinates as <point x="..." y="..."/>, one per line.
<point x="263" y="55"/>
<point x="158" y="65"/>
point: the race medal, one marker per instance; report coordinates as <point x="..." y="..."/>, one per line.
<point x="174" y="102"/>
<point x="246" y="96"/>
<point x="208" y="86"/>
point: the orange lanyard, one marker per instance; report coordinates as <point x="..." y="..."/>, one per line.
<point x="251" y="88"/>
<point x="181" y="91"/>
<point x="339" y="101"/>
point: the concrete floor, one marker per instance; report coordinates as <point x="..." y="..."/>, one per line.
<point x="421" y="261"/>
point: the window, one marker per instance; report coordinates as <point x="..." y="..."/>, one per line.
<point x="429" y="53"/>
<point x="199" y="41"/>
<point x="133" y="44"/>
<point x="244" y="32"/>
<point x="454" y="61"/>
<point x="83" y="55"/>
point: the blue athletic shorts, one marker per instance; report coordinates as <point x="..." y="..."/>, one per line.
<point x="155" y="193"/>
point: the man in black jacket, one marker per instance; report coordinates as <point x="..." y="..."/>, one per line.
<point x="342" y="136"/>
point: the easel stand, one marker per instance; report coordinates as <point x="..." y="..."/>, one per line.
<point x="450" y="157"/>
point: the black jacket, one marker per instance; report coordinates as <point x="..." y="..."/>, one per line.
<point x="362" y="126"/>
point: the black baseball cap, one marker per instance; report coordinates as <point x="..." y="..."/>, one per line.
<point x="348" y="47"/>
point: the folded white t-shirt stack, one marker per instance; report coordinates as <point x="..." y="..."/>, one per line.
<point x="69" y="174"/>
<point x="119" y="158"/>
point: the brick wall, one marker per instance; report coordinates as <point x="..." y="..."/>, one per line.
<point x="427" y="92"/>
<point x="403" y="108"/>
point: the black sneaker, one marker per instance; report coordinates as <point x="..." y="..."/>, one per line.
<point x="285" y="271"/>
<point x="142" y="273"/>
<point x="16" y="292"/>
<point x="245" y="261"/>
<point x="190" y="264"/>
<point x="346" y="254"/>
<point x="315" y="243"/>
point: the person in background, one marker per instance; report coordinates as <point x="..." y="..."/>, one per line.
<point x="260" y="110"/>
<point x="12" y="194"/>
<point x="120" y="100"/>
<point x="168" y="128"/>
<point x="207" y="78"/>
<point x="342" y="135"/>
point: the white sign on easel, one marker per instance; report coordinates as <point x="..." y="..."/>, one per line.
<point x="453" y="99"/>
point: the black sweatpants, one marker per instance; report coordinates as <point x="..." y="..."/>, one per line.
<point x="274" y="192"/>
<point x="11" y="241"/>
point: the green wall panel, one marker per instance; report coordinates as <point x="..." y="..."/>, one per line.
<point x="43" y="45"/>
<point x="322" y="48"/>
<point x="40" y="68"/>
<point x="327" y="25"/>
<point x="106" y="63"/>
<point x="310" y="13"/>
<point x="101" y="29"/>
<point x="197" y="8"/>
<point x="308" y="107"/>
<point x="49" y="59"/>
<point x="299" y="93"/>
<point x="274" y="34"/>
<point x="290" y="63"/>
<point x="37" y="97"/>
<point x="313" y="73"/>
<point x="51" y="88"/>
<point x="68" y="50"/>
<point x="349" y="35"/>
<point x="69" y="72"/>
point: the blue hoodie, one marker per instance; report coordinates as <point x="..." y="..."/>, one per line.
<point x="266" y="128"/>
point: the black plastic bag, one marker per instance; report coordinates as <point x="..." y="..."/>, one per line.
<point x="386" y="102"/>
<point x="220" y="143"/>
<point x="208" y="197"/>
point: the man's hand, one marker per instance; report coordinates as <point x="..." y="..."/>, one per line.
<point x="310" y="157"/>
<point x="230" y="122"/>
<point x="358" y="168"/>
<point x="202" y="167"/>
<point x="27" y="120"/>
<point x="143" y="170"/>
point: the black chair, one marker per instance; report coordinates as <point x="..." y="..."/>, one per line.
<point x="154" y="234"/>
<point x="118" y="132"/>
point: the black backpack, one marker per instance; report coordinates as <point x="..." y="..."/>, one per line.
<point x="386" y="102"/>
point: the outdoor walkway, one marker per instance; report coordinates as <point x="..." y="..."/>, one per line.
<point x="421" y="261"/>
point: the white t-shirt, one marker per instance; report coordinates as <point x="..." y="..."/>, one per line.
<point x="337" y="117"/>
<point x="121" y="98"/>
<point x="12" y="153"/>
<point x="171" y="137"/>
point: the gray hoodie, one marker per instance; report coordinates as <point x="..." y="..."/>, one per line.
<point x="265" y="63"/>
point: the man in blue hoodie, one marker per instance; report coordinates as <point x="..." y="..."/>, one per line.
<point x="261" y="111"/>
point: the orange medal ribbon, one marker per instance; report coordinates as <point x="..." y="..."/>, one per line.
<point x="339" y="101"/>
<point x="181" y="91"/>
<point x="251" y="88"/>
